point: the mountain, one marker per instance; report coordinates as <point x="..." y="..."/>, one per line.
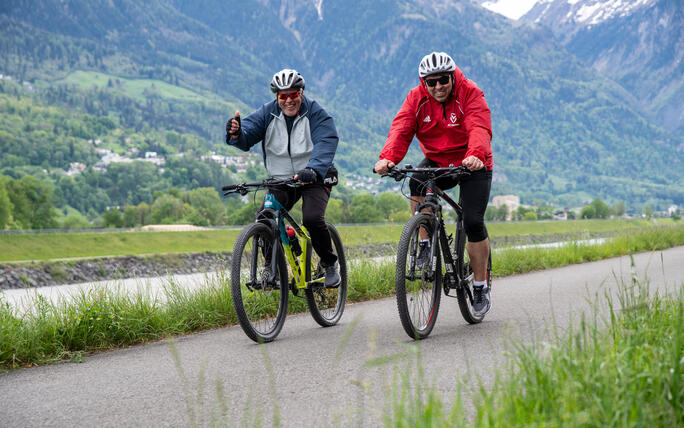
<point x="638" y="44"/>
<point x="562" y="132"/>
<point x="553" y="117"/>
<point x="512" y="9"/>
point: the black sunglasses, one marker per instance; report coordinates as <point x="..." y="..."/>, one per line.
<point x="443" y="80"/>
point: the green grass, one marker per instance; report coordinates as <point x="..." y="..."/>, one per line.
<point x="513" y="261"/>
<point x="51" y="332"/>
<point x="46" y="246"/>
<point x="571" y="226"/>
<point x="133" y="88"/>
<point x="627" y="371"/>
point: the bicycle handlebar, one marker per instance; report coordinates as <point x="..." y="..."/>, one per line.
<point x="401" y="173"/>
<point x="244" y="188"/>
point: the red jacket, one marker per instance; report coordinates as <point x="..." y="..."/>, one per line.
<point x="447" y="133"/>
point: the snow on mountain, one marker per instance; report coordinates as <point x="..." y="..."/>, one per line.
<point x="563" y="13"/>
<point x="637" y="43"/>
<point x="512" y="9"/>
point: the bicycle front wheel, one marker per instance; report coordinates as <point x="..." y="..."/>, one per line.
<point x="327" y="304"/>
<point x="259" y="295"/>
<point x="418" y="288"/>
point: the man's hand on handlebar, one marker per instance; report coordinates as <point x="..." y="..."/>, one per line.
<point x="307" y="175"/>
<point x="383" y="166"/>
<point x="473" y="163"/>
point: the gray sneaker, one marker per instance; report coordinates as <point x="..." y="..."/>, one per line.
<point x="482" y="300"/>
<point x="332" y="276"/>
<point x="423" y="258"/>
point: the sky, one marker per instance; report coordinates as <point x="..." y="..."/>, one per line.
<point x="512" y="9"/>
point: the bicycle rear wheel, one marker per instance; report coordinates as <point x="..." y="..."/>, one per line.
<point x="327" y="304"/>
<point x="418" y="289"/>
<point x="259" y="297"/>
<point x="465" y="290"/>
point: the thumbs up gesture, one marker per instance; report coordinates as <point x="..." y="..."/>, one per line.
<point x="233" y="125"/>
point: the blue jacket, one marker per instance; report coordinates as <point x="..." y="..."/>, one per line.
<point x="312" y="143"/>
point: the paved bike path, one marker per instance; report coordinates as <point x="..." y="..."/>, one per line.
<point x="320" y="377"/>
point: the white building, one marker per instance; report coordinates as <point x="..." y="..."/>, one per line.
<point x="512" y="201"/>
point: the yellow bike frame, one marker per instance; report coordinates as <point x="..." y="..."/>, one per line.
<point x="298" y="264"/>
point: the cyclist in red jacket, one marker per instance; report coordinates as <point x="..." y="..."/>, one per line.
<point x="450" y="117"/>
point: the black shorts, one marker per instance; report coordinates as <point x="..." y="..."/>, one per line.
<point x="473" y="196"/>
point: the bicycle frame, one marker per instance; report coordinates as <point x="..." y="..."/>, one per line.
<point x="300" y="265"/>
<point x="440" y="238"/>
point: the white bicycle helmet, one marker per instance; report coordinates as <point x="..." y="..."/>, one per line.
<point x="435" y="62"/>
<point x="287" y="79"/>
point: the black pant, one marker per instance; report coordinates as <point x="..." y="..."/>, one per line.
<point x="474" y="196"/>
<point x="314" y="201"/>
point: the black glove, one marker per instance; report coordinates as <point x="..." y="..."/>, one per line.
<point x="307" y="175"/>
<point x="229" y="124"/>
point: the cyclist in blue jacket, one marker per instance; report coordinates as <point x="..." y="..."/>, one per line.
<point x="298" y="139"/>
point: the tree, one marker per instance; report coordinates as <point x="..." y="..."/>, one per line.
<point x="618" y="210"/>
<point x="601" y="208"/>
<point x="112" y="218"/>
<point x="588" y="211"/>
<point x="130" y="217"/>
<point x="363" y="209"/>
<point x="75" y="221"/>
<point x="168" y="209"/>
<point x="32" y="202"/>
<point x="530" y="215"/>
<point x="501" y="212"/>
<point x="489" y="213"/>
<point x="144" y="213"/>
<point x="208" y="205"/>
<point x="648" y="211"/>
<point x="5" y="205"/>
<point x="544" y="212"/>
<point x="193" y="217"/>
<point x="400" y="216"/>
<point x="21" y="206"/>
<point x="243" y="215"/>
<point x="390" y="203"/>
<point x="334" y="213"/>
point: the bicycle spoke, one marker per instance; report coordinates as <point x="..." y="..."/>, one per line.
<point x="327" y="304"/>
<point x="259" y="298"/>
<point x="417" y="286"/>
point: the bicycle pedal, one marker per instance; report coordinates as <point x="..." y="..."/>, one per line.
<point x="314" y="285"/>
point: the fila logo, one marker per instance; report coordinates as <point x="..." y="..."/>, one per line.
<point x="427" y="119"/>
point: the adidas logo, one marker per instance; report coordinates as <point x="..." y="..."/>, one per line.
<point x="427" y="119"/>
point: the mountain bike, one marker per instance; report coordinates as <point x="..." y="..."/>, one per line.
<point x="263" y="253"/>
<point x="418" y="287"/>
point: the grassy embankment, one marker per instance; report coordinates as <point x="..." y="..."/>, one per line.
<point x="47" y="246"/>
<point x="626" y="370"/>
<point x="134" y="88"/>
<point x="107" y="318"/>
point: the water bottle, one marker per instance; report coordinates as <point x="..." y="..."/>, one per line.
<point x="294" y="241"/>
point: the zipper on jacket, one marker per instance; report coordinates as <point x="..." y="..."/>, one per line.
<point x="289" y="133"/>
